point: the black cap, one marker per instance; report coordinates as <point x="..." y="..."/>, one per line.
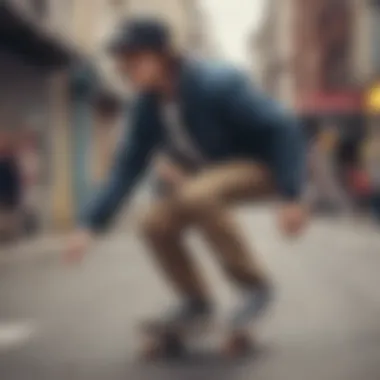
<point x="141" y="34"/>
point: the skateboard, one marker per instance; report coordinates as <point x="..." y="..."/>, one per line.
<point x="178" y="342"/>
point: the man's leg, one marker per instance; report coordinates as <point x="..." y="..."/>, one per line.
<point x="162" y="228"/>
<point x="204" y="201"/>
<point x="228" y="242"/>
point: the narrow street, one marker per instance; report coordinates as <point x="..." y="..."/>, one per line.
<point x="79" y="323"/>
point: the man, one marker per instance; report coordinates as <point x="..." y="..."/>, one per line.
<point x="227" y="144"/>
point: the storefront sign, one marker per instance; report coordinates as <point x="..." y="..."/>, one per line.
<point x="330" y="103"/>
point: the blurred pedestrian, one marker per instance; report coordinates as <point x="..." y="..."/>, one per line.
<point x="326" y="192"/>
<point x="224" y="143"/>
<point x="30" y="166"/>
<point x="371" y="170"/>
<point x="10" y="186"/>
<point x="351" y="175"/>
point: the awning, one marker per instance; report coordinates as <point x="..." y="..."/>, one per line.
<point x="20" y="37"/>
<point x="339" y="103"/>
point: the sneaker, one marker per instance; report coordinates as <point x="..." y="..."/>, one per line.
<point x="255" y="302"/>
<point x="188" y="314"/>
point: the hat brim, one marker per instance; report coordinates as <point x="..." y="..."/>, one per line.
<point x="128" y="47"/>
<point x="117" y="47"/>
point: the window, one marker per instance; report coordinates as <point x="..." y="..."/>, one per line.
<point x="336" y="69"/>
<point x="375" y="34"/>
<point x="335" y="39"/>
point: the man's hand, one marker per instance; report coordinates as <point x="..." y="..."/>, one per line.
<point x="293" y="218"/>
<point x="78" y="245"/>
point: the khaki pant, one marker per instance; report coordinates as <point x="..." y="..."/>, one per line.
<point x="205" y="201"/>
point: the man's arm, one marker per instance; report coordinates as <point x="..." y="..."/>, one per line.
<point x="132" y="158"/>
<point x="248" y="109"/>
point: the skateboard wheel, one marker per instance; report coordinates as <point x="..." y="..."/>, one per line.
<point x="170" y="347"/>
<point x="173" y="346"/>
<point x="238" y="345"/>
<point x="152" y="350"/>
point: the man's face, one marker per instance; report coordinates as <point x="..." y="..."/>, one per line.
<point x="144" y="69"/>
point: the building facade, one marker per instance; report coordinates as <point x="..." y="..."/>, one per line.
<point x="30" y="54"/>
<point x="274" y="49"/>
<point x="332" y="69"/>
<point x="317" y="53"/>
<point x="51" y="86"/>
<point x="321" y="57"/>
<point x="326" y="75"/>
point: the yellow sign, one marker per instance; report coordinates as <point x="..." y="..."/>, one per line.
<point x="373" y="99"/>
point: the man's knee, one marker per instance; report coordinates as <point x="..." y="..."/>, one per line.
<point x="194" y="202"/>
<point x="159" y="222"/>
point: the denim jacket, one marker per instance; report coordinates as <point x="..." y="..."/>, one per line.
<point x="226" y="117"/>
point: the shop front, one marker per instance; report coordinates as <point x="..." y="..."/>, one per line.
<point x="28" y="58"/>
<point x="336" y="126"/>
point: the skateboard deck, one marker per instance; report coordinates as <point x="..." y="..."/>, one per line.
<point x="175" y="342"/>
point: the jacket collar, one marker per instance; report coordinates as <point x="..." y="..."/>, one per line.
<point x="186" y="76"/>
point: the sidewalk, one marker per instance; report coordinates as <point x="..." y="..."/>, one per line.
<point x="32" y="248"/>
<point x="53" y="243"/>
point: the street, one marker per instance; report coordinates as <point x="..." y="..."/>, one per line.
<point x="79" y="323"/>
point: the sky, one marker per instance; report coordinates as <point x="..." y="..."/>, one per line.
<point x="231" y="22"/>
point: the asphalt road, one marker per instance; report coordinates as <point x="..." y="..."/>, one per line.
<point x="79" y="323"/>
